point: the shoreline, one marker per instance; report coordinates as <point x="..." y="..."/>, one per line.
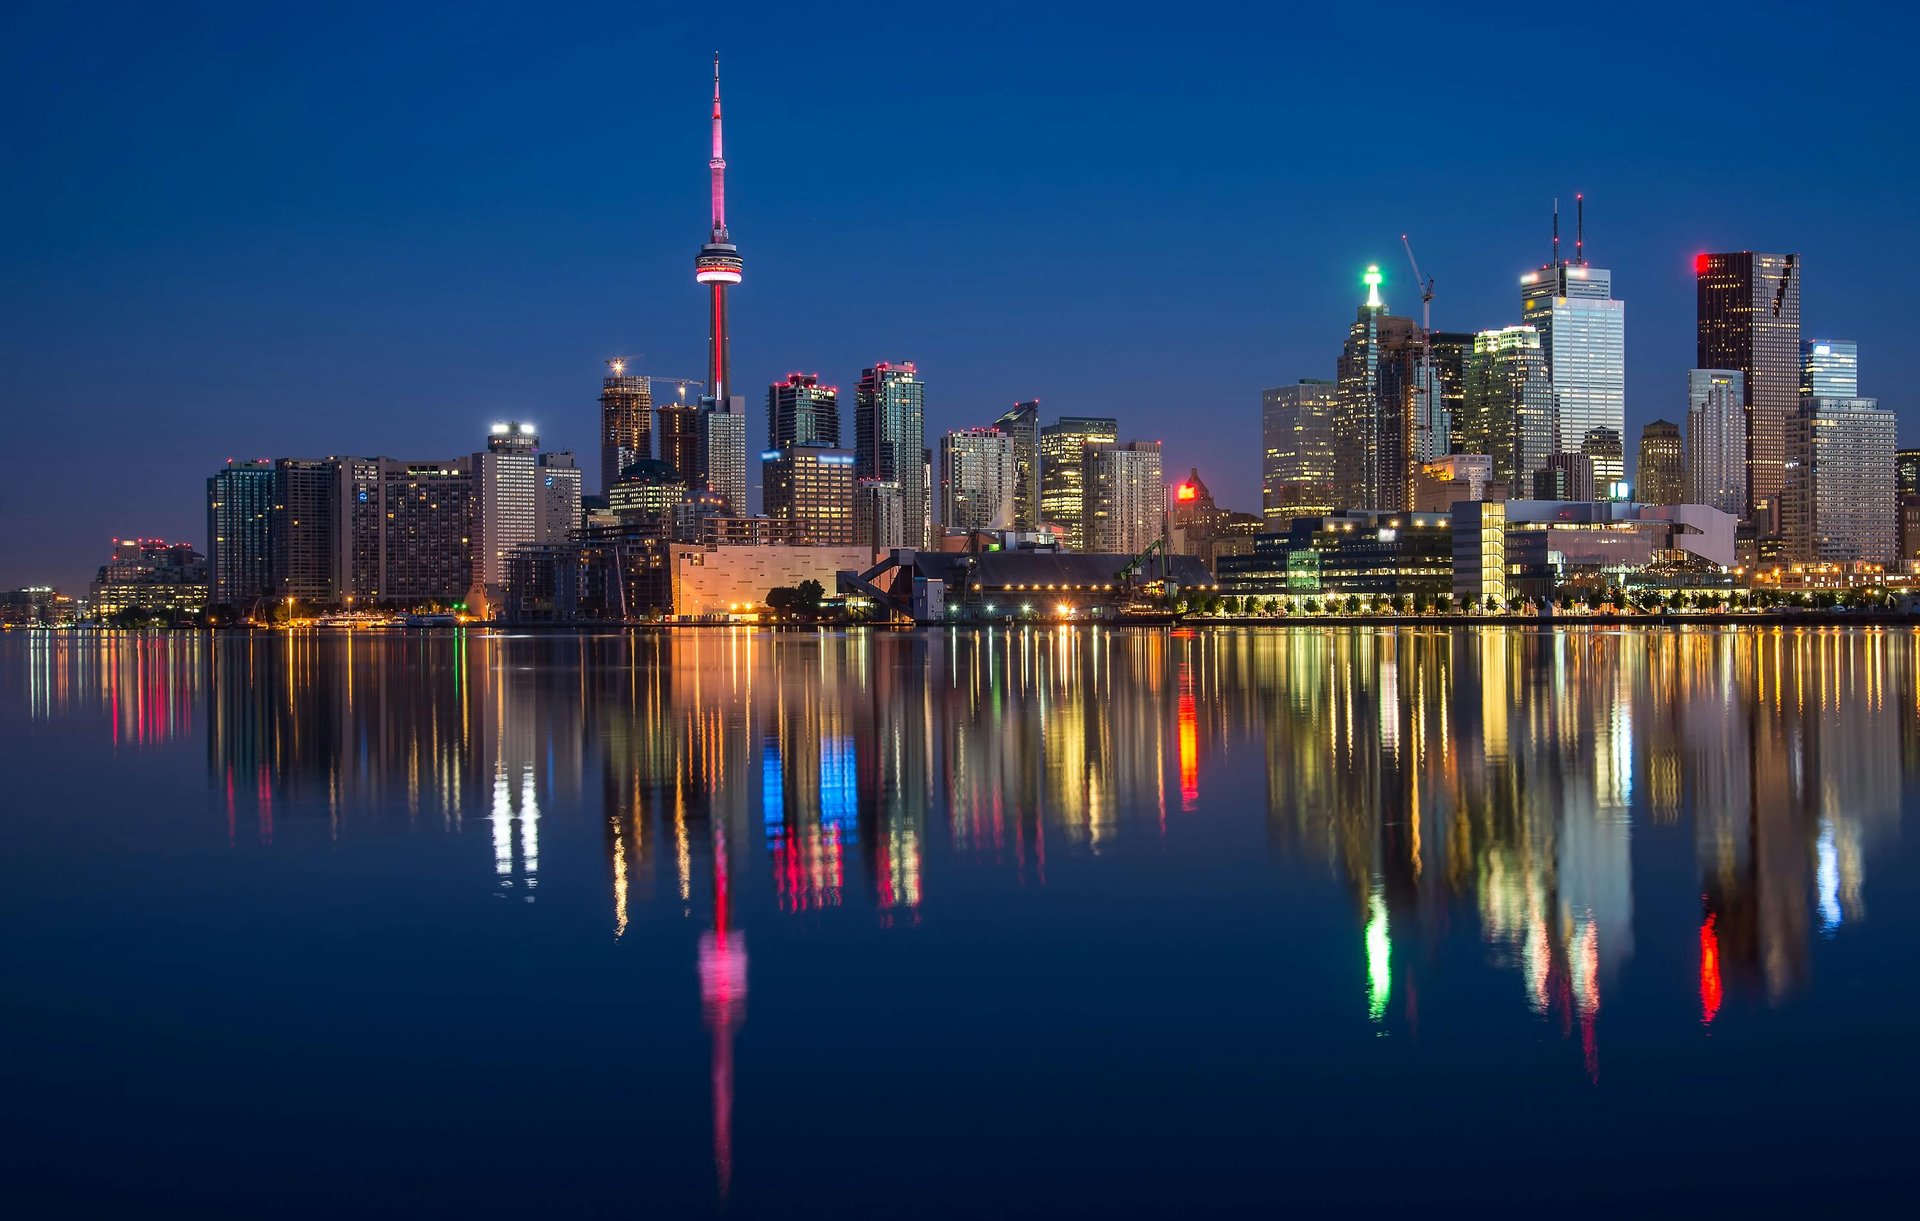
<point x="1768" y="619"/>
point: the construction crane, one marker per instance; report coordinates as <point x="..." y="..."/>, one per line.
<point x="1423" y="419"/>
<point x="618" y="365"/>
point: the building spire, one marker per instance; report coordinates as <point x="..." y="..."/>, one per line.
<point x="719" y="162"/>
<point x="1372" y="281"/>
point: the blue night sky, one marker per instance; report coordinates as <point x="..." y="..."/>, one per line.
<point x="290" y="229"/>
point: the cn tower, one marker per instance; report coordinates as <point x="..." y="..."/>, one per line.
<point x="719" y="262"/>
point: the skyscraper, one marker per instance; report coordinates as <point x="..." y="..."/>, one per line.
<point x="1063" y="446"/>
<point x="626" y="422"/>
<point x="1749" y="322"/>
<point x="240" y="500"/>
<point x="1376" y="438"/>
<point x="1022" y="423"/>
<point x="810" y="487"/>
<point x="718" y="266"/>
<point x="1125" y="496"/>
<point x="890" y="437"/>
<point x="559" y="497"/>
<point x="1296" y="441"/>
<point x="306" y="516"/>
<point x="800" y="411"/>
<point x="722" y="458"/>
<point x="679" y="440"/>
<point x="978" y="475"/>
<point x="426" y="538"/>
<point x="1661" y="474"/>
<point x="1840" y="501"/>
<point x="1717" y="439"/>
<point x="1509" y="406"/>
<point x="1829" y="369"/>
<point x="1583" y="339"/>
<point x="359" y="528"/>
<point x="507" y="506"/>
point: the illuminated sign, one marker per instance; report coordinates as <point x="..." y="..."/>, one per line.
<point x="1186" y="491"/>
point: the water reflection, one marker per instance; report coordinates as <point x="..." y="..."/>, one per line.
<point x="1474" y="781"/>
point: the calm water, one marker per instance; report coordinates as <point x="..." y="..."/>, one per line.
<point x="1067" y="922"/>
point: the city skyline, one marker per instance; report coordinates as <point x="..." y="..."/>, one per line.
<point x="201" y="318"/>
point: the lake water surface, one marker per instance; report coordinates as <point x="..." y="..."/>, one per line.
<point x="1042" y="922"/>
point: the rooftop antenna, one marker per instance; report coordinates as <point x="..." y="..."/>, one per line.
<point x="1580" y="230"/>
<point x="1556" y="230"/>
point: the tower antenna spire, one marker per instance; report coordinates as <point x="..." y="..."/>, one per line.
<point x="1580" y="230"/>
<point x="718" y="164"/>
<point x="1556" y="230"/>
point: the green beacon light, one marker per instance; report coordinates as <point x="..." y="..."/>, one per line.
<point x="1372" y="281"/>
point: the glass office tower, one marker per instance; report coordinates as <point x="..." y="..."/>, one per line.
<point x="1748" y="320"/>
<point x="1583" y="340"/>
<point x="890" y="438"/>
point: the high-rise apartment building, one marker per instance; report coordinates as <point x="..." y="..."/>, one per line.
<point x="558" y="492"/>
<point x="978" y="476"/>
<point x="890" y="438"/>
<point x="427" y="551"/>
<point x="1296" y="442"/>
<point x="1583" y="340"/>
<point x="1063" y="447"/>
<point x="1717" y="439"/>
<point x="1829" y="369"/>
<point x="1508" y="413"/>
<point x="359" y="527"/>
<point x="1378" y="436"/>
<point x="507" y="507"/>
<point x="810" y="487"/>
<point x="1022" y="423"/>
<point x="1661" y="475"/>
<point x="240" y="500"/>
<point x="800" y="411"/>
<point x="1748" y="321"/>
<point x="626" y="422"/>
<point x="1125" y="506"/>
<point x="306" y="518"/>
<point x="1840" y="502"/>
<point x="723" y="451"/>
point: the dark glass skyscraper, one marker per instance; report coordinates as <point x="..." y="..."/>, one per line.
<point x="1376" y="438"/>
<point x="890" y="437"/>
<point x="1022" y="423"/>
<point x="1749" y="321"/>
<point x="240" y="499"/>
<point x="800" y="411"/>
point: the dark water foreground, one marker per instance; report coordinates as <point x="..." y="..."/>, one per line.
<point x="1049" y="922"/>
